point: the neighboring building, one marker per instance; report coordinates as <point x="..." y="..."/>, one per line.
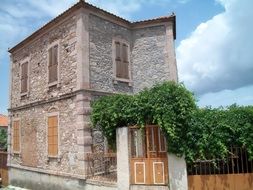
<point x="3" y="121"/>
<point x="56" y="72"/>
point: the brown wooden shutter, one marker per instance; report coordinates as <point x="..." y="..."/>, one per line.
<point x="53" y="64"/>
<point x="122" y="61"/>
<point x="53" y="136"/>
<point x="118" y="59"/>
<point x="24" y="77"/>
<point x="117" y="49"/>
<point x="125" y="62"/>
<point x="16" y="136"/>
<point x="50" y="65"/>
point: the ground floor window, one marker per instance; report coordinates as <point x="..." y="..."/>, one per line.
<point x="52" y="136"/>
<point x="16" y="136"/>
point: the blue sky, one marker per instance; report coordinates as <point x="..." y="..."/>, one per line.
<point x="214" y="41"/>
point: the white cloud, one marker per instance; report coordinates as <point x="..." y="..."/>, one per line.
<point x="19" y="18"/>
<point x="183" y="1"/>
<point x="126" y="9"/>
<point x="240" y="96"/>
<point x="218" y="54"/>
<point x="121" y="8"/>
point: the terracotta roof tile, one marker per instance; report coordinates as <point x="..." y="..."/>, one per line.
<point x="3" y="121"/>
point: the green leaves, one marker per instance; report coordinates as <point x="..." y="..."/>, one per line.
<point x="170" y="105"/>
<point x="196" y="133"/>
<point x="214" y="131"/>
<point x="3" y="139"/>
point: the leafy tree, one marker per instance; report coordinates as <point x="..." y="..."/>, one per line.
<point x="3" y="139"/>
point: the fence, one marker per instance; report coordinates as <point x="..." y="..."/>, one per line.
<point x="237" y="162"/>
<point x="3" y="168"/>
<point x="232" y="173"/>
<point x="101" y="166"/>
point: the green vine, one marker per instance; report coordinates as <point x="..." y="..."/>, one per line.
<point x="190" y="131"/>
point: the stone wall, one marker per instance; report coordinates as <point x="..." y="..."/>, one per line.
<point x="33" y="119"/>
<point x="37" y="53"/>
<point x="148" y="57"/>
<point x="40" y="181"/>
<point x="101" y="63"/>
<point x="33" y="126"/>
<point x="152" y="55"/>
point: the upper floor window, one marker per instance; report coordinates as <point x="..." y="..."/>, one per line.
<point x="121" y="60"/>
<point x="24" y="78"/>
<point x="53" y="64"/>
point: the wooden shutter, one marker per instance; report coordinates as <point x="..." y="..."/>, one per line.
<point x="125" y="61"/>
<point x="121" y="60"/>
<point x="16" y="136"/>
<point x="24" y="77"/>
<point x="53" y="64"/>
<point x="52" y="136"/>
<point x="118" y="59"/>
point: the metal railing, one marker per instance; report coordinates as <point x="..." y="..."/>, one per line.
<point x="101" y="166"/>
<point x="236" y="162"/>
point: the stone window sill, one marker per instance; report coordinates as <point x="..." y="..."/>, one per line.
<point x="49" y="157"/>
<point x="24" y="95"/>
<point x="52" y="84"/>
<point x="116" y="80"/>
<point x="18" y="154"/>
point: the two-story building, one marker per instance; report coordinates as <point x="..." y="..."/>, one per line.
<point x="57" y="71"/>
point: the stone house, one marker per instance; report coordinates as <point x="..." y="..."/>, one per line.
<point x="57" y="71"/>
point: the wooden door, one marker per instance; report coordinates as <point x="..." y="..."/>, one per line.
<point x="149" y="163"/>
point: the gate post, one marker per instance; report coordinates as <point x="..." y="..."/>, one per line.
<point x="177" y="173"/>
<point x="123" y="176"/>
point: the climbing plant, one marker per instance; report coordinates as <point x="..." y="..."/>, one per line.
<point x="214" y="131"/>
<point x="190" y="131"/>
<point x="170" y="105"/>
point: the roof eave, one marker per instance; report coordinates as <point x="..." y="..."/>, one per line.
<point x="82" y="4"/>
<point x="47" y="25"/>
<point x="163" y="20"/>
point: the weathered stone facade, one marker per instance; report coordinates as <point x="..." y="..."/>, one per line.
<point x="150" y="58"/>
<point x="101" y="63"/>
<point x="37" y="54"/>
<point x="84" y="34"/>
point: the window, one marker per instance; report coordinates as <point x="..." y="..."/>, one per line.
<point x="121" y="60"/>
<point x="53" y="64"/>
<point x="52" y="135"/>
<point x="138" y="148"/>
<point x="16" y="136"/>
<point x="149" y="143"/>
<point x="24" y="77"/>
